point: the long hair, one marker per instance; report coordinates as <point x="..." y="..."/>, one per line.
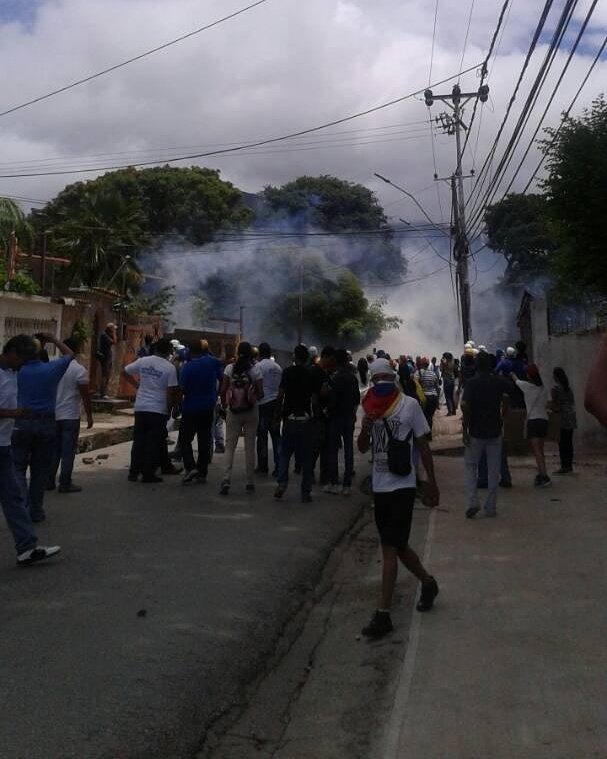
<point x="245" y="357"/>
<point x="560" y="377"/>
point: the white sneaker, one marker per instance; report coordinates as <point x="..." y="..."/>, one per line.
<point x="190" y="476"/>
<point x="332" y="489"/>
<point x="40" y="553"/>
<point x="346" y="491"/>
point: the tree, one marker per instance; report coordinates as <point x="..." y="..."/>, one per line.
<point x="334" y="205"/>
<point x="97" y="223"/>
<point x="12" y="219"/>
<point x="576" y="197"/>
<point x="517" y="227"/>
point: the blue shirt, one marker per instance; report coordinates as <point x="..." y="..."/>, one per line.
<point x="37" y="384"/>
<point x="198" y="380"/>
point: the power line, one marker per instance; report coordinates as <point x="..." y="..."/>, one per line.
<point x="133" y="59"/>
<point x="248" y="146"/>
<point x="433" y="41"/>
<point x="467" y="33"/>
<point x="567" y="112"/>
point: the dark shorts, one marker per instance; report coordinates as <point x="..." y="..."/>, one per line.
<point x="393" y="516"/>
<point x="537" y="428"/>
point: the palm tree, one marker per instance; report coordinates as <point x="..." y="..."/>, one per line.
<point x="98" y="236"/>
<point x="12" y="219"/>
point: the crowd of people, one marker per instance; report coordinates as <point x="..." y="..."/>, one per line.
<point x="307" y="409"/>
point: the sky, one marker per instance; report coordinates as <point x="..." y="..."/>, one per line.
<point x="283" y="66"/>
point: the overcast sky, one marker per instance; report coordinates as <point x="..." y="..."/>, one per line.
<point x="282" y="66"/>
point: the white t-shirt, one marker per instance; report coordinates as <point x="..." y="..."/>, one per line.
<point x="271" y="374"/>
<point x="536" y="398"/>
<point x="407" y="416"/>
<point x="156" y="374"/>
<point x="68" y="395"/>
<point x="8" y="400"/>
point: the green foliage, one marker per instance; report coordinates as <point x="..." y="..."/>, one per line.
<point x="517" y="228"/>
<point x="335" y="310"/>
<point x="159" y="303"/>
<point x="335" y="205"/>
<point x="96" y="224"/>
<point x="576" y="195"/>
<point x="12" y="219"/>
<point x="81" y="332"/>
<point x="20" y="283"/>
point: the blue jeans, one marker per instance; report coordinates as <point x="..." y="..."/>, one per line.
<point x="492" y="448"/>
<point x="448" y="388"/>
<point x="33" y="441"/>
<point x="64" y="453"/>
<point x="13" y="503"/>
<point x="267" y="426"/>
<point x="296" y="436"/>
<point x="482" y="476"/>
<point x="341" y="428"/>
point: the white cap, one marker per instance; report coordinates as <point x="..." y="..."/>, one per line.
<point x="510" y="352"/>
<point x="381" y="366"/>
<point x="175" y="343"/>
<point x="313" y="351"/>
<point x="482" y="349"/>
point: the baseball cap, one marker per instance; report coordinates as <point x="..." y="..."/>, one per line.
<point x="381" y="366"/>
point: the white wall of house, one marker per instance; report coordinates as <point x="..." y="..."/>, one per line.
<point x="575" y="353"/>
<point x="28" y="314"/>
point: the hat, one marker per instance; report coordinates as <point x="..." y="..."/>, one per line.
<point x="313" y="351"/>
<point x="510" y="352"/>
<point x="381" y="366"/>
<point x="174" y="343"/>
<point x="468" y="350"/>
<point x="482" y="349"/>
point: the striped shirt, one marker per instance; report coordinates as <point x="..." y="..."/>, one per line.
<point x="429" y="381"/>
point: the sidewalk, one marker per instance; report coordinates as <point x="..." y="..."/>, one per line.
<point x="108" y="429"/>
<point x="512" y="662"/>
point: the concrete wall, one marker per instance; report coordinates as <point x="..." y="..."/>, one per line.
<point x="28" y="314"/>
<point x="575" y="353"/>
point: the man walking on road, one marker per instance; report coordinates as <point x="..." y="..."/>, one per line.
<point x="155" y="400"/>
<point x="295" y="401"/>
<point x="271" y="374"/>
<point x="430" y="385"/>
<point x="73" y="388"/>
<point x="16" y="352"/>
<point x="343" y="404"/>
<point x="394" y="425"/>
<point x="199" y="380"/>
<point x="34" y="436"/>
<point x="484" y="402"/>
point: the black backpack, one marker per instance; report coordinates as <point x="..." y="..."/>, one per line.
<point x="399" y="453"/>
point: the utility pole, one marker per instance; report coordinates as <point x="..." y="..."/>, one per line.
<point x="301" y="294"/>
<point x="454" y="125"/>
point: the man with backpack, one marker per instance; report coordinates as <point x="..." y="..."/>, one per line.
<point x="241" y="389"/>
<point x="395" y="427"/>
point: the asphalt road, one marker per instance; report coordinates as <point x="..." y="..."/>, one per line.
<point x="167" y="600"/>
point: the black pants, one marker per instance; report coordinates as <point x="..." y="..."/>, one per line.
<point x="430" y="409"/>
<point x="267" y="426"/>
<point x="199" y="424"/>
<point x="566" y="448"/>
<point x="149" y="443"/>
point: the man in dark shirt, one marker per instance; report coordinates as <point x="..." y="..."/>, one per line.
<point x="485" y="396"/>
<point x="107" y="340"/>
<point x="297" y="388"/>
<point x="344" y="401"/>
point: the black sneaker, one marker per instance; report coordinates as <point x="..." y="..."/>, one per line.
<point x="380" y="625"/>
<point x="472" y="512"/>
<point x="40" y="553"/>
<point x="71" y="488"/>
<point x="427" y="596"/>
<point x="543" y="482"/>
<point x="279" y="492"/>
<point x="225" y="488"/>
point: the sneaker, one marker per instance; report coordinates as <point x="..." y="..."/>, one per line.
<point x="279" y="492"/>
<point x="250" y="488"/>
<point x="346" y="491"/>
<point x="380" y="625"/>
<point x="71" y="488"/>
<point x="225" y="488"/>
<point x="427" y="596"/>
<point x="543" y="482"/>
<point x="472" y="512"/>
<point x="190" y="476"/>
<point x="220" y="448"/>
<point x="40" y="553"/>
<point x="331" y="489"/>
<point x="151" y="479"/>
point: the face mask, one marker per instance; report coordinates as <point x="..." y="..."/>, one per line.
<point x="382" y="389"/>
